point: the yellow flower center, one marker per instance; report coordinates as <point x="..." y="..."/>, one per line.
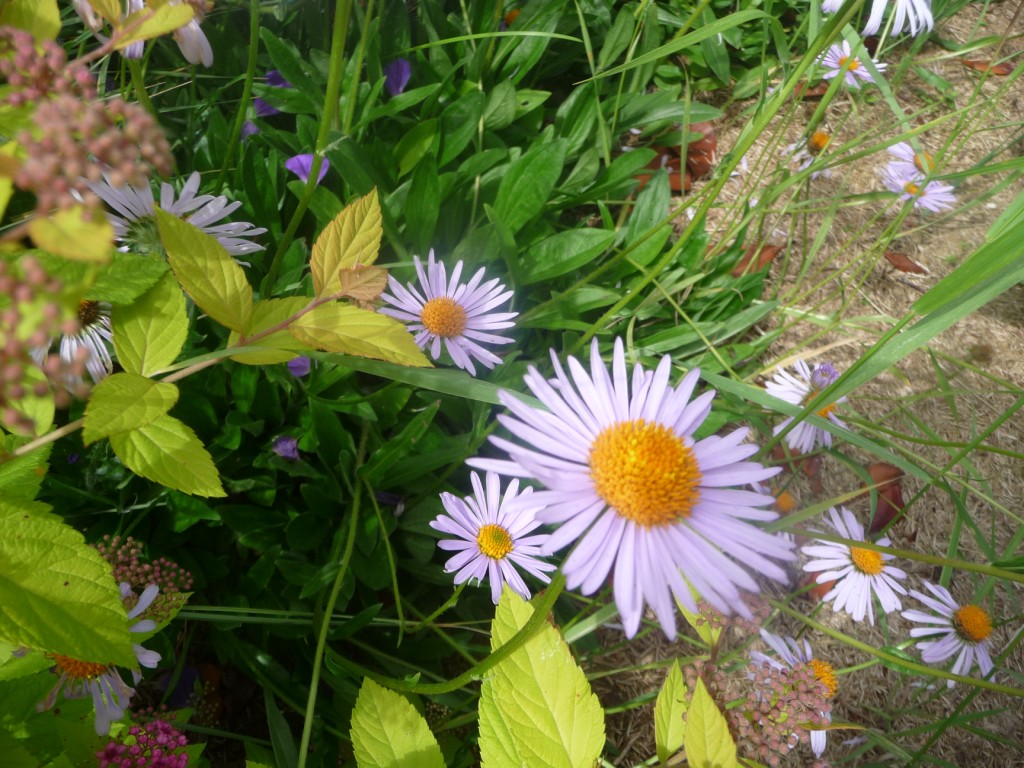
<point x="818" y="141"/>
<point x="911" y="188"/>
<point x="972" y="623"/>
<point x="853" y="62"/>
<point x="443" y="317"/>
<point x="824" y="412"/>
<point x="78" y="670"/>
<point x="494" y="541"/>
<point x="645" y="472"/>
<point x="88" y="312"/>
<point x="866" y="560"/>
<point x="923" y="162"/>
<point x="826" y="675"/>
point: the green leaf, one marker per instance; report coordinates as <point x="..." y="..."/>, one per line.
<point x="164" y="19"/>
<point x="351" y="239"/>
<point x="669" y="709"/>
<point x="149" y="334"/>
<point x="168" y="452"/>
<point x="57" y="593"/>
<point x="69" y="234"/>
<point x="123" y="402"/>
<point x="38" y="410"/>
<point x="564" y="252"/>
<point x="526" y="186"/>
<point x="388" y="732"/>
<point x="703" y="628"/>
<point x="207" y="272"/>
<point x="39" y="17"/>
<point x="412" y="147"/>
<point x="337" y="327"/>
<point x="708" y="743"/>
<point x="537" y="708"/>
<point x="280" y="346"/>
<point x="21" y="477"/>
<point x="281" y="736"/>
<point x="126" y="278"/>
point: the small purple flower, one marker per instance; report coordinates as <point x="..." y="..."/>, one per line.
<point x="301" y="165"/>
<point x="397" y="75"/>
<point x="299" y="366"/>
<point x="276" y="79"/>
<point x="286" y="448"/>
<point x="249" y="128"/>
<point x="263" y="109"/>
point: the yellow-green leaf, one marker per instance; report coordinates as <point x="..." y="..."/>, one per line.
<point x="125" y="401"/>
<point x="669" y="726"/>
<point x="708" y="742"/>
<point x="108" y="9"/>
<point x="336" y="327"/>
<point x="352" y="238"/>
<point x="21" y="476"/>
<point x="168" y="452"/>
<point x="165" y="19"/>
<point x="388" y="732"/>
<point x="207" y="272"/>
<point x="38" y="410"/>
<point x="149" y="334"/>
<point x="41" y="18"/>
<point x="704" y="630"/>
<point x="279" y="346"/>
<point x="536" y="706"/>
<point x="57" y="593"/>
<point x="70" y="234"/>
<point x="6" y="180"/>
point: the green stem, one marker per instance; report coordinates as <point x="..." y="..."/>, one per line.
<point x="353" y="91"/>
<point x="250" y="73"/>
<point x="325" y="624"/>
<point x="139" y="84"/>
<point x="444" y="607"/>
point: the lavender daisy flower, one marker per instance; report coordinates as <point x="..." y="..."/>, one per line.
<point x="916" y="14"/>
<point x="788" y="654"/>
<point x="396" y="76"/>
<point x="135" y="219"/>
<point x="302" y="165"/>
<point x="806" y="151"/>
<point x="92" y="341"/>
<point x="957" y="629"/>
<point x="457" y="313"/>
<point x="800" y="390"/>
<point x="631" y="487"/>
<point x="933" y="196"/>
<point x="839" y="60"/>
<point x="94" y="22"/>
<point x="190" y="38"/>
<point x="491" y="540"/>
<point x="857" y="571"/>
<point x="910" y="163"/>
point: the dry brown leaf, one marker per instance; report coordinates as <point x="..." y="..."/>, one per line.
<point x="888" y="479"/>
<point x="904" y="263"/>
<point x="362" y="283"/>
<point x="765" y="255"/>
<point x="1002" y="69"/>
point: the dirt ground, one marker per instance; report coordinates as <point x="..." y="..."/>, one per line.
<point x="948" y="393"/>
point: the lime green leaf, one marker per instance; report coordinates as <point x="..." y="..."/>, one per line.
<point x="280" y="345"/>
<point x="388" y="732"/>
<point x="207" y="272"/>
<point x="70" y="234"/>
<point x="7" y="152"/>
<point x="351" y="239"/>
<point x="337" y="327"/>
<point x="21" y="477"/>
<point x="57" y="592"/>
<point x="126" y="278"/>
<point x="708" y="743"/>
<point x="149" y="334"/>
<point x="669" y="726"/>
<point x="168" y="452"/>
<point x="123" y="402"/>
<point x="38" y="410"/>
<point x="108" y="9"/>
<point x="165" y="19"/>
<point x="39" y="17"/>
<point x="537" y="707"/>
<point x="704" y="630"/>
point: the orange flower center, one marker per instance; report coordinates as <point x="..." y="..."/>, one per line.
<point x="911" y="188"/>
<point x="78" y="670"/>
<point x="645" y="472"/>
<point x="923" y="162"/>
<point x="824" y="412"/>
<point x="849" y="60"/>
<point x="494" y="541"/>
<point x="443" y="317"/>
<point x="866" y="561"/>
<point x="818" y="141"/>
<point x="972" y="623"/>
<point x="826" y="675"/>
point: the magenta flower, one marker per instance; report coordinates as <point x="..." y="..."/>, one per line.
<point x="301" y="165"/>
<point x="397" y="75"/>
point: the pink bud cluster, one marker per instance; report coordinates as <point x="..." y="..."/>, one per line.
<point x="759" y="608"/>
<point x="124" y="556"/>
<point x="36" y="71"/>
<point x="156" y="744"/>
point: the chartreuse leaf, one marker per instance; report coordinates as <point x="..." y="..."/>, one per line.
<point x="537" y="708"/>
<point x="154" y="23"/>
<point x="73" y="235"/>
<point x="168" y="452"/>
<point x="56" y="591"/>
<point x="38" y="410"/>
<point x="352" y="238"/>
<point x="707" y="741"/>
<point x="280" y="346"/>
<point x="669" y="726"/>
<point x="337" y="327"/>
<point x="388" y="732"/>
<point x="126" y="278"/>
<point x="705" y="631"/>
<point x="207" y="272"/>
<point x="7" y="152"/>
<point x="149" y="334"/>
<point x="21" y="477"/>
<point x="39" y="17"/>
<point x="123" y="402"/>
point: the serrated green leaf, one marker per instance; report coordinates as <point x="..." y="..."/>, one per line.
<point x="149" y="334"/>
<point x="337" y="327"/>
<point x="669" y="709"/>
<point x="351" y="239"/>
<point x="126" y="278"/>
<point x="388" y="732"/>
<point x="70" y="234"/>
<point x="537" y="707"/>
<point x="41" y="18"/>
<point x="207" y="272"/>
<point x="57" y="593"/>
<point x="280" y="346"/>
<point x="21" y="477"/>
<point x="123" y="402"/>
<point x="168" y="452"/>
<point x="154" y="23"/>
<point x="708" y="742"/>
